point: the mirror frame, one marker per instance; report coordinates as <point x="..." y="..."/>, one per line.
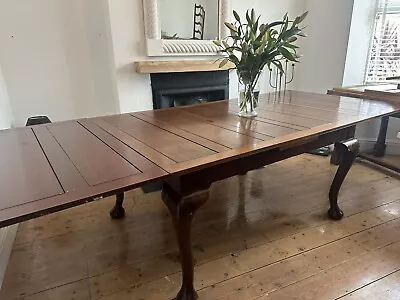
<point x="159" y="47"/>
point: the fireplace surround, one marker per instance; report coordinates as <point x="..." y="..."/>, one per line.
<point x="185" y="88"/>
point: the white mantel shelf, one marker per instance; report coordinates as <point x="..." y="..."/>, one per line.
<point x="146" y="67"/>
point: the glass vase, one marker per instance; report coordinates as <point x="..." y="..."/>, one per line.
<point x="248" y="98"/>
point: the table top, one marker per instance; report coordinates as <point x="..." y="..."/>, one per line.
<point x="375" y="91"/>
<point x="388" y="91"/>
<point x="51" y="167"/>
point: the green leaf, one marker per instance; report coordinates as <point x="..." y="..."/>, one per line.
<point x="218" y="43"/>
<point x="274" y="32"/>
<point x="286" y="54"/>
<point x="248" y="17"/>
<point x="234" y="59"/>
<point x="286" y="25"/>
<point x="302" y="17"/>
<point x="261" y="48"/>
<point x="235" y="37"/>
<point x="278" y="64"/>
<point x="252" y="45"/>
<point x="255" y="26"/>
<point x="266" y="37"/>
<point x="223" y="62"/>
<point x="231" y="26"/>
<point x="302" y="34"/>
<point x="291" y="46"/>
<point x="252" y="37"/>
<point x="273" y="24"/>
<point x="226" y="45"/>
<point x="291" y="32"/>
<point x="236" y="15"/>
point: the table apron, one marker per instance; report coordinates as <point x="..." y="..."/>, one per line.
<point x="189" y="182"/>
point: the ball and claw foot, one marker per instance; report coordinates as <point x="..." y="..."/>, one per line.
<point x="335" y="213"/>
<point x="117" y="213"/>
<point x="185" y="294"/>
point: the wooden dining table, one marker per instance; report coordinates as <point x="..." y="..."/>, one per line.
<point x="51" y="167"/>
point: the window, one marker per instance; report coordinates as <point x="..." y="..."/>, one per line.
<point x="384" y="54"/>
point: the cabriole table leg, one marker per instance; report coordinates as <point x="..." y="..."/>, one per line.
<point x="348" y="152"/>
<point x="182" y="209"/>
<point x="118" y="211"/>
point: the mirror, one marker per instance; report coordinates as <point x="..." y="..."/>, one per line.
<point x="171" y="27"/>
<point x="189" y="19"/>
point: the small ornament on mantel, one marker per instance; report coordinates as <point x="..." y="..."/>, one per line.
<point x="252" y="46"/>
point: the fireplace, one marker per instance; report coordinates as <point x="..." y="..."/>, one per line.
<point x="177" y="89"/>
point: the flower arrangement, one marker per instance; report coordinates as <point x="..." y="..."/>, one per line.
<point x="252" y="46"/>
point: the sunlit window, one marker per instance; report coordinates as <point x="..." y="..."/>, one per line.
<point x="384" y="55"/>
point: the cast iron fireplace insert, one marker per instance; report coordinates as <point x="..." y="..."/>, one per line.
<point x="177" y="89"/>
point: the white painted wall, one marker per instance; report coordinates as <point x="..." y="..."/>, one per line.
<point x="128" y="37"/>
<point x="56" y="60"/>
<point x="5" y="108"/>
<point x="362" y="25"/>
<point x="127" y="27"/>
<point x="324" y="50"/>
<point x="101" y="58"/>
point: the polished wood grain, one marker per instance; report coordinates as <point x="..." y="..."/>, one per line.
<point x="168" y="144"/>
<point x="146" y="151"/>
<point x="66" y="172"/>
<point x="25" y="174"/>
<point x="259" y="237"/>
<point x="216" y="116"/>
<point x="180" y="66"/>
<point x="295" y="116"/>
<point x="200" y="127"/>
<point x="127" y="153"/>
<point x="384" y="91"/>
<point x="52" y="167"/>
<point x="215" y="146"/>
<point x="96" y="163"/>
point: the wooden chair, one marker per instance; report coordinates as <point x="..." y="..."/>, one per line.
<point x="37" y="120"/>
<point x="198" y="22"/>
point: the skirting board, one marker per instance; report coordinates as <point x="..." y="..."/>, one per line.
<point x="7" y="237"/>
<point x="392" y="146"/>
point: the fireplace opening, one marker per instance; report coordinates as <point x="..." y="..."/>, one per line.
<point x="178" y="89"/>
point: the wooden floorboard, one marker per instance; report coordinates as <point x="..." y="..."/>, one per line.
<point x="260" y="236"/>
<point x="391" y="159"/>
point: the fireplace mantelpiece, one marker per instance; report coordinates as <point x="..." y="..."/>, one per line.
<point x="147" y="67"/>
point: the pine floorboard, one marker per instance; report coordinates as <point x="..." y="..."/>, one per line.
<point x="260" y="236"/>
